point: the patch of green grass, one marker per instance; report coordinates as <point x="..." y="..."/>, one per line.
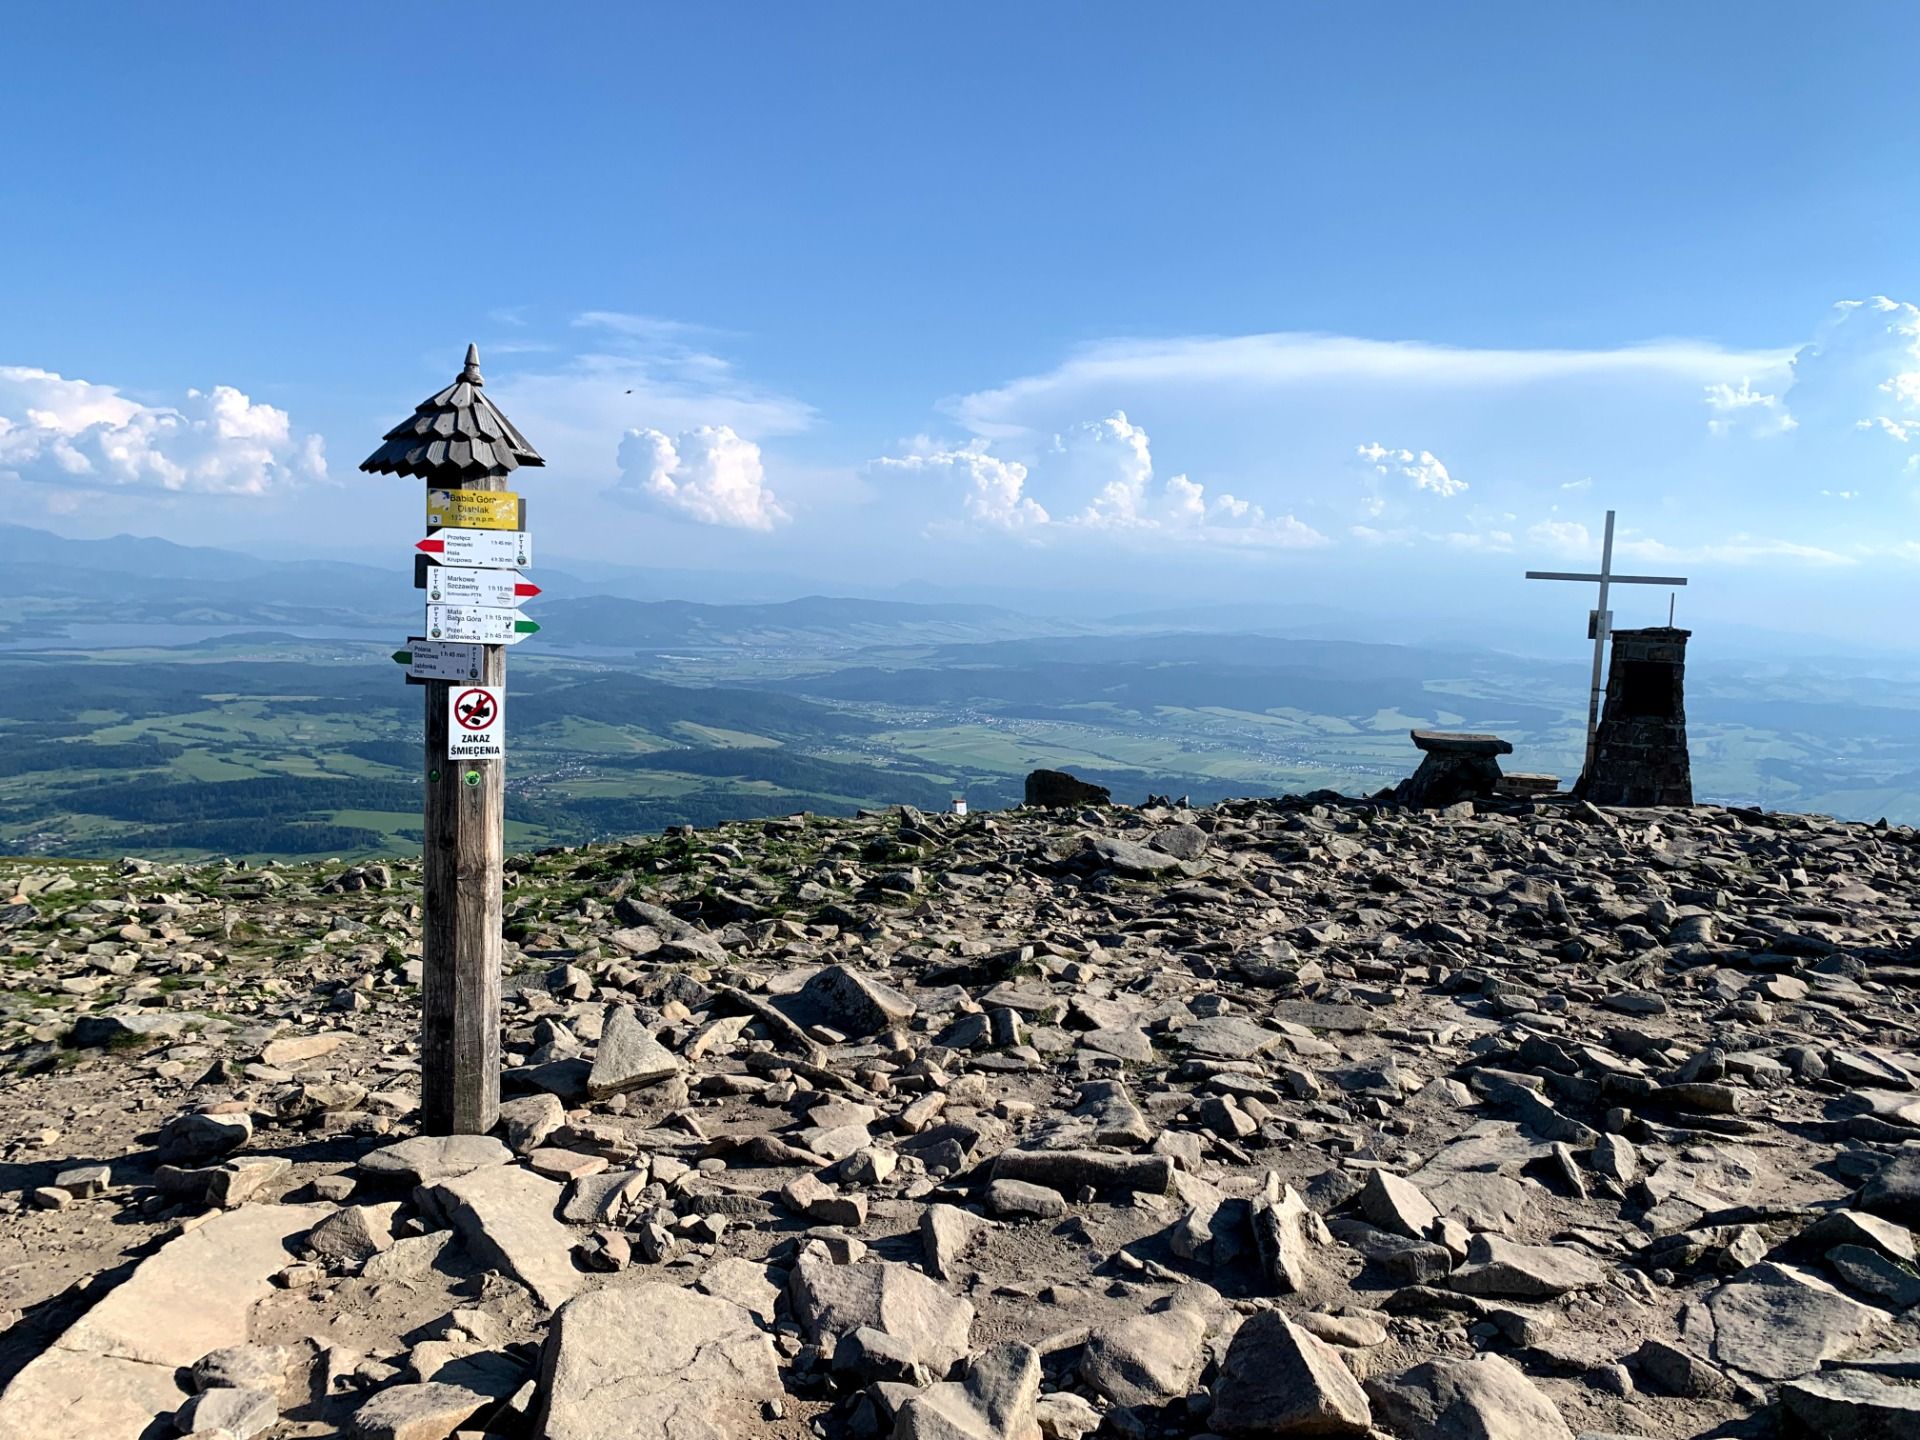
<point x="728" y="739"/>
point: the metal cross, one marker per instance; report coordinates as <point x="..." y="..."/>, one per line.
<point x="1602" y="625"/>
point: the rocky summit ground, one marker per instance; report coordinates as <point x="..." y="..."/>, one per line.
<point x="1306" y="1117"/>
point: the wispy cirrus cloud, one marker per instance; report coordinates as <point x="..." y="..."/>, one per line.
<point x="1285" y="360"/>
<point x="1738" y="549"/>
<point x="1573" y="540"/>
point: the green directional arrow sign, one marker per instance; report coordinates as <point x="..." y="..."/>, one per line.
<point x="485" y="625"/>
<point x="438" y="660"/>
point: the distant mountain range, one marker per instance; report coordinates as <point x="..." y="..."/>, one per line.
<point x="53" y="582"/>
<point x="196" y="673"/>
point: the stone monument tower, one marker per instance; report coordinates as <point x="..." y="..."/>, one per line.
<point x="1640" y="752"/>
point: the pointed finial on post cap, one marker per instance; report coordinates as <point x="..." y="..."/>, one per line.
<point x="455" y="437"/>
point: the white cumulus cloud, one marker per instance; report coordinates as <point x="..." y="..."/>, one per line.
<point x="995" y="494"/>
<point x="1423" y="469"/>
<point x="1861" y="371"/>
<point x="75" y="435"/>
<point x="1114" y="458"/>
<point x="708" y="474"/>
<point x="1742" y="407"/>
<point x="1102" y="470"/>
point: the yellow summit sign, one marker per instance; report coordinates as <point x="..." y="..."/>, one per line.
<point x="473" y="509"/>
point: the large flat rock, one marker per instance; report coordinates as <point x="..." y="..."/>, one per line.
<point x="830" y="1300"/>
<point x="655" y="1362"/>
<point x="429" y="1159"/>
<point x="1852" y="1407"/>
<point x="1527" y="1272"/>
<point x="1228" y="1037"/>
<point x="113" y="1373"/>
<point x="1779" y="1324"/>
<point x="1321" y="1015"/>
<point x="506" y="1217"/>
<point x="1130" y="858"/>
<point x="1455" y="742"/>
<point x="1147" y="1360"/>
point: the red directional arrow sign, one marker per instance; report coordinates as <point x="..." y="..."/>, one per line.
<point x="491" y="549"/>
<point x="469" y="585"/>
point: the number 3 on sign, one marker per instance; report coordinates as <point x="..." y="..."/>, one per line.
<point x="476" y="722"/>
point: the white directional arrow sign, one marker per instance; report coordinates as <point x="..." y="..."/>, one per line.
<point x="441" y="660"/>
<point x="464" y="585"/>
<point x="489" y="549"/>
<point x="477" y="624"/>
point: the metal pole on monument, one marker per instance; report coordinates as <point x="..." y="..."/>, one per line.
<point x="1600" y="624"/>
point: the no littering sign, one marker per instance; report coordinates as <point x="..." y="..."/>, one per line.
<point x="476" y="723"/>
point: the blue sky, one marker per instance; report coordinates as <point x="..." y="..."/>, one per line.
<point x="1295" y="302"/>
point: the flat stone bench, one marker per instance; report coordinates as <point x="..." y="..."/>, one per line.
<point x="1447" y="742"/>
<point x="1453" y="767"/>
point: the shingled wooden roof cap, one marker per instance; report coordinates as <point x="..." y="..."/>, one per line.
<point x="459" y="434"/>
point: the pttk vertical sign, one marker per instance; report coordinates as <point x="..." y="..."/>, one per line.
<point x="476" y="722"/>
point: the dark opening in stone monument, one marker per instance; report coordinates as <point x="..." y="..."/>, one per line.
<point x="1647" y="690"/>
<point x="1640" y="751"/>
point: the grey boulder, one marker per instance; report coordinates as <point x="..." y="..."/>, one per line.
<point x="1147" y="1360"/>
<point x="629" y="1058"/>
<point x="654" y="1362"/>
<point x="829" y="1300"/>
<point x="1278" y="1379"/>
<point x="995" y="1402"/>
<point x="1484" y="1398"/>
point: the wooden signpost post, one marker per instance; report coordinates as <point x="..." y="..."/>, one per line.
<point x="463" y="448"/>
